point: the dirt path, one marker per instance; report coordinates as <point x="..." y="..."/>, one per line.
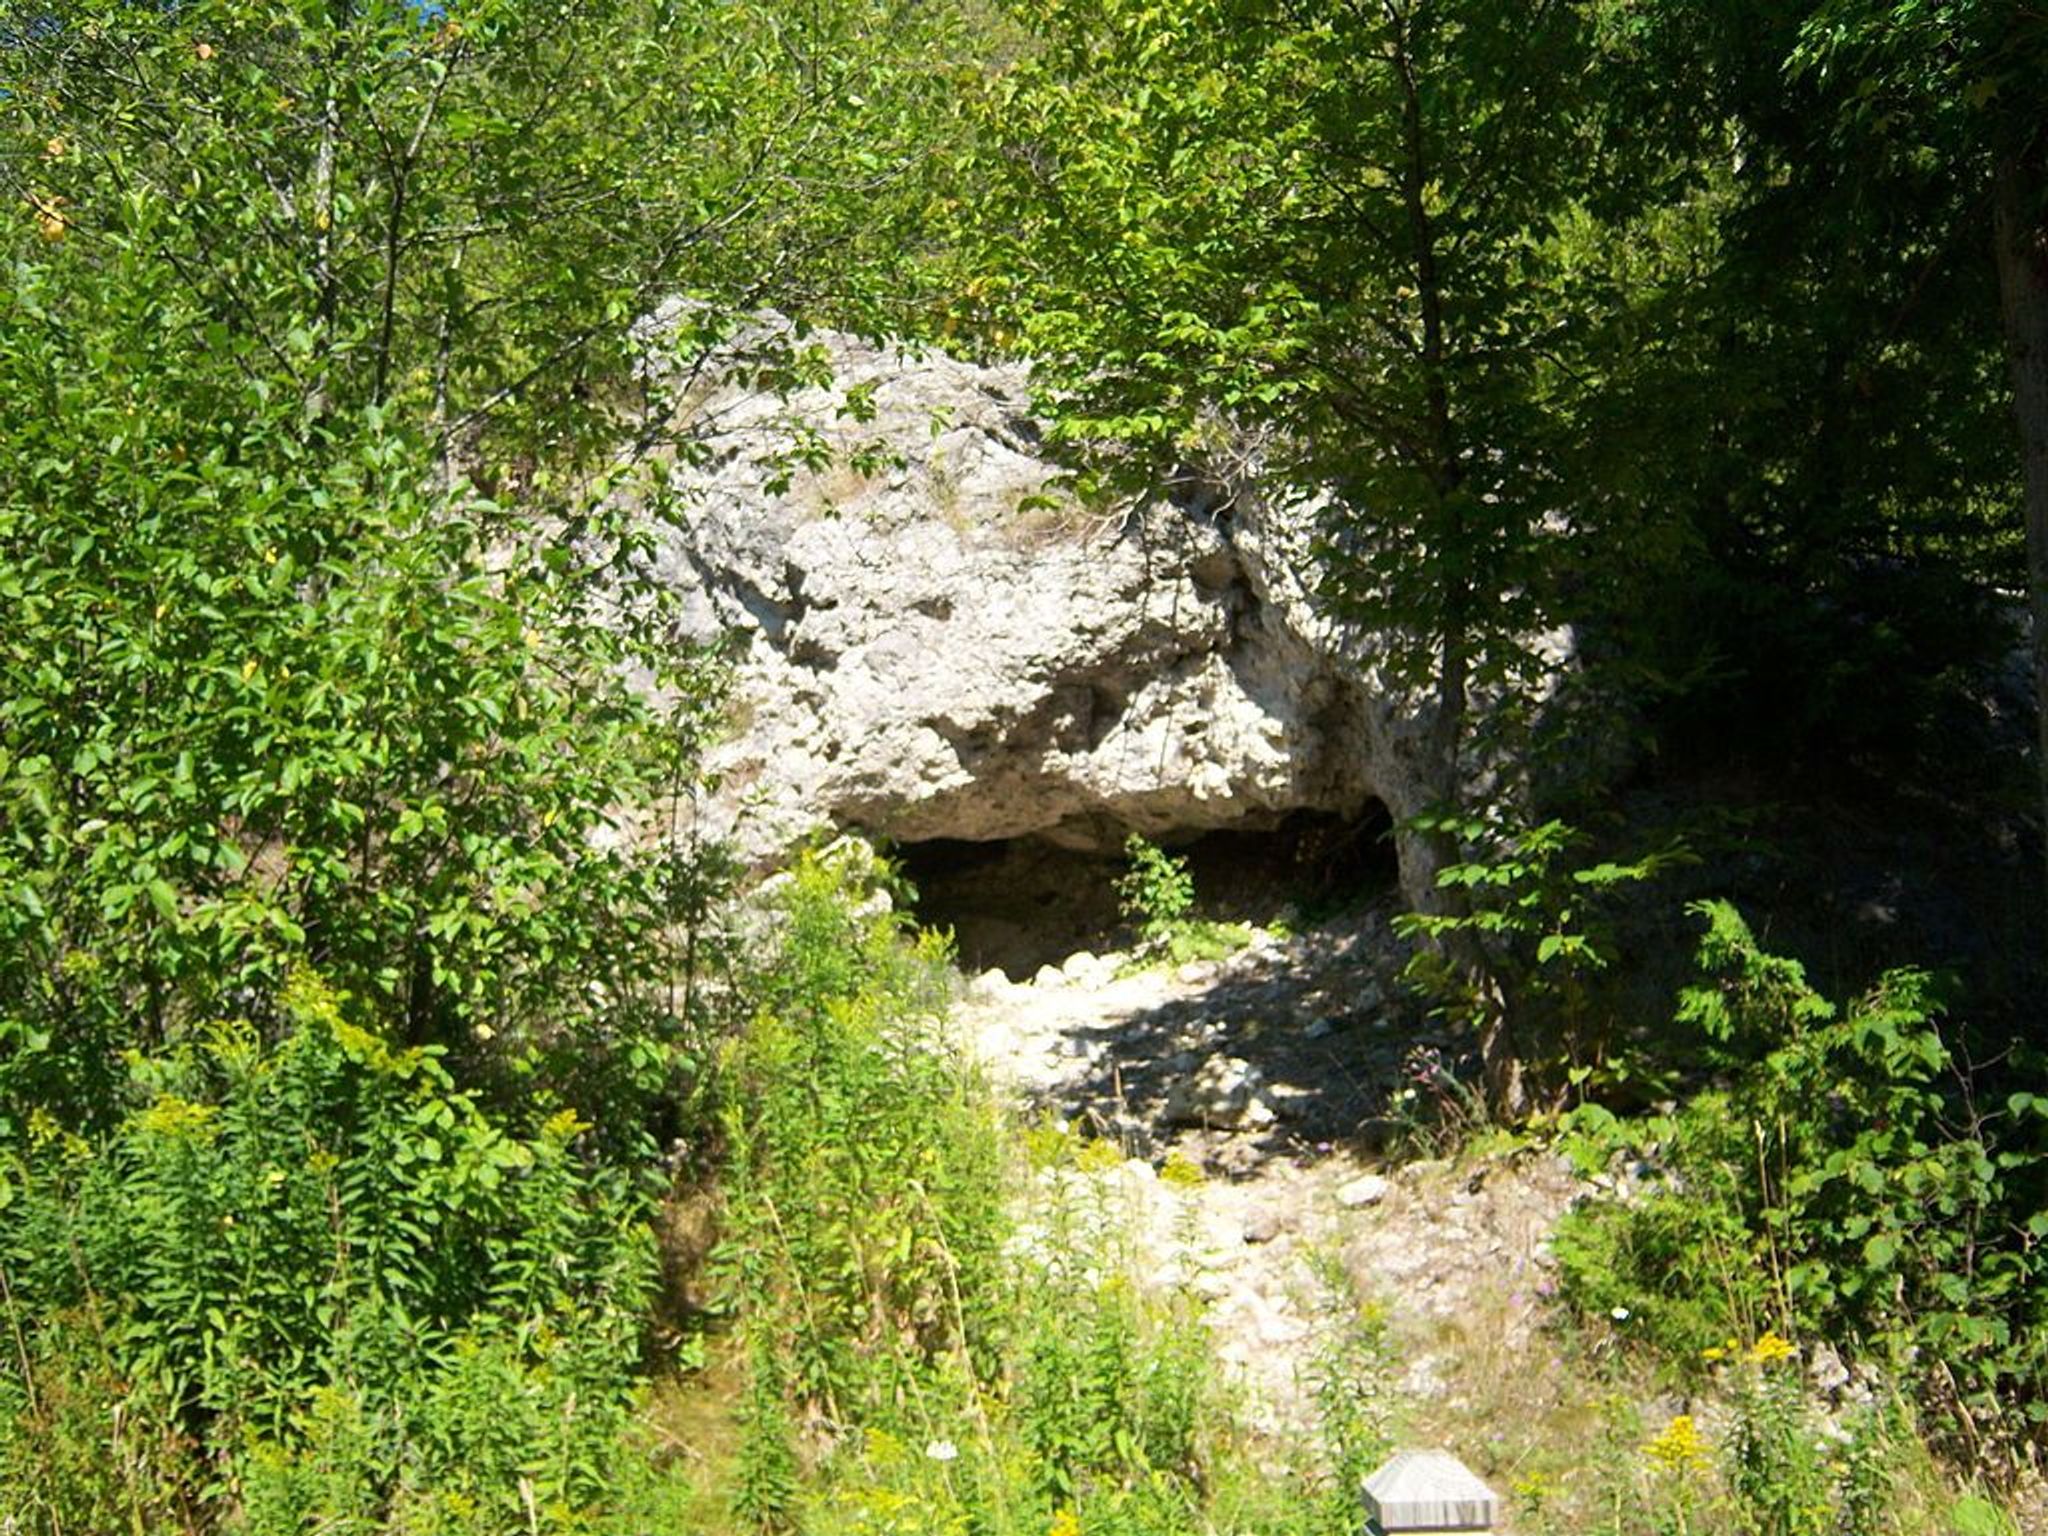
<point x="1286" y="1074"/>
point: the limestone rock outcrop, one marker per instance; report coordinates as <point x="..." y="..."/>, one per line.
<point x="939" y="641"/>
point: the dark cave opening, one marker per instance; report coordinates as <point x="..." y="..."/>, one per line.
<point x="1016" y="904"/>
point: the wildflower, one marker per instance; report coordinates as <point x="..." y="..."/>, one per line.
<point x="173" y="1118"/>
<point x="1770" y="1349"/>
<point x="1065" y="1523"/>
<point x="1619" y="1314"/>
<point x="1098" y="1156"/>
<point x="1715" y="1352"/>
<point x="1679" y="1446"/>
<point x="942" y="1450"/>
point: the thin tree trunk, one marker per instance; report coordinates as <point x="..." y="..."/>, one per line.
<point x="2020" y="230"/>
<point x="1499" y="1059"/>
<point x="1438" y="445"/>
<point x="444" y="350"/>
<point x="319" y="399"/>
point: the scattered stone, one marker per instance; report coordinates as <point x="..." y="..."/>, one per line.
<point x="1826" y="1368"/>
<point x="1275" y="1327"/>
<point x="1225" y="1091"/>
<point x="1289" y="1099"/>
<point x="1264" y="1226"/>
<point x="1367" y="1189"/>
<point x="1128" y="1056"/>
<point x="990" y="985"/>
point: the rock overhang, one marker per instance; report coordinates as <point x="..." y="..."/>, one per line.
<point x="946" y="645"/>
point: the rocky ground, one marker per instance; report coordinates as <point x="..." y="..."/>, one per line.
<point x="1306" y="1090"/>
<point x="1288" y="1074"/>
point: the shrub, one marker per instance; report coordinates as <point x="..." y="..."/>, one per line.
<point x="1157" y="894"/>
<point x="315" y="1278"/>
<point x="1157" y="891"/>
<point x="1518" y="955"/>
<point x="1841" y="1183"/>
<point x="863" y="1199"/>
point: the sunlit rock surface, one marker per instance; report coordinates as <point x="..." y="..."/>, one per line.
<point x="940" y="642"/>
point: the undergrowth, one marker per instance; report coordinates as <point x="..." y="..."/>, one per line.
<point x="1157" y="895"/>
<point x="310" y="1284"/>
<point x="1841" y="1181"/>
<point x="947" y="1326"/>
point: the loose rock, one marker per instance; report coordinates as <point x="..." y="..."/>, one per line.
<point x="1368" y="1189"/>
<point x="1224" y="1091"/>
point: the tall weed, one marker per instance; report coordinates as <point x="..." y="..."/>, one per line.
<point x="315" y="1281"/>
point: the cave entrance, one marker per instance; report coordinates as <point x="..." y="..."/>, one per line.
<point x="1016" y="904"/>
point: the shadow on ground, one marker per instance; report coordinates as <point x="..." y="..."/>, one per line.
<point x="1293" y="1049"/>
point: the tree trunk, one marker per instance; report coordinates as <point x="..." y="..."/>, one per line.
<point x="319" y="397"/>
<point x="1446" y="537"/>
<point x="2020" y="231"/>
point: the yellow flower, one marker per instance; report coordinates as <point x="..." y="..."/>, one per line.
<point x="1770" y="1349"/>
<point x="1098" y="1157"/>
<point x="1065" y="1523"/>
<point x="1679" y="1446"/>
<point x="563" y="1127"/>
<point x="179" y="1119"/>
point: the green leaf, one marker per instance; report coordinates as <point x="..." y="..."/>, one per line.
<point x="164" y="897"/>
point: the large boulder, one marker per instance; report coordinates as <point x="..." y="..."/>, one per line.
<point x="938" y="641"/>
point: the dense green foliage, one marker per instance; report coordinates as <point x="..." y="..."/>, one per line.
<point x="864" y="1191"/>
<point x="315" y="1278"/>
<point x="363" y="995"/>
<point x="350" y="946"/>
<point x="1843" y="1182"/>
<point x="269" y="701"/>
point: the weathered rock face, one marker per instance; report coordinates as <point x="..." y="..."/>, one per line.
<point x="949" y="646"/>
